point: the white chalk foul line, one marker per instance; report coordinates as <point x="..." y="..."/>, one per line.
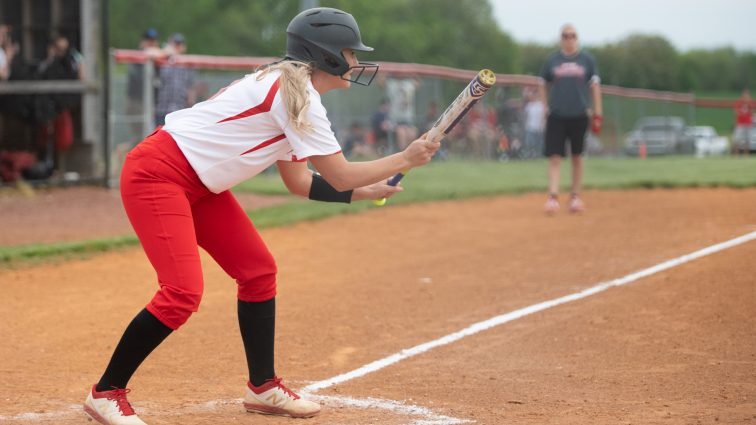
<point x="427" y="416"/>
<point x="517" y="314"/>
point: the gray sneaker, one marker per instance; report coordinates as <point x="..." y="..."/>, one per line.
<point x="273" y="398"/>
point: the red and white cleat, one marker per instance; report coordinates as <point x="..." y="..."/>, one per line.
<point x="576" y="204"/>
<point x="111" y="407"/>
<point x="273" y="398"/>
<point x="552" y="205"/>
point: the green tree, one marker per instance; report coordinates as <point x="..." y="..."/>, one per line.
<point x="457" y="33"/>
<point x="746" y="71"/>
<point x="722" y="69"/>
<point x="533" y="56"/>
<point x="646" y="61"/>
<point x="218" y="27"/>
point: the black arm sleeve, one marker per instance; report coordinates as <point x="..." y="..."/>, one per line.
<point x="320" y="190"/>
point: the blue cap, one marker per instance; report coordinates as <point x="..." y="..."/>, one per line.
<point x="178" y="38"/>
<point x="151" y="34"/>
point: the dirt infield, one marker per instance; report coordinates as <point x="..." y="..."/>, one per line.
<point x="676" y="347"/>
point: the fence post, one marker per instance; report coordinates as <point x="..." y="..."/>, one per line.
<point x="619" y="128"/>
<point x="148" y="97"/>
<point x="110" y="179"/>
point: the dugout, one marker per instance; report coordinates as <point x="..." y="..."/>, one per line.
<point x="31" y="96"/>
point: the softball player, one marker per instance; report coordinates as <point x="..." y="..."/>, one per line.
<point x="175" y="189"/>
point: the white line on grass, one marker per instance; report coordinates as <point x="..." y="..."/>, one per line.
<point x="428" y="416"/>
<point x="514" y="315"/>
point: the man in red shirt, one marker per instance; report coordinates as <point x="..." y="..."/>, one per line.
<point x="743" y="123"/>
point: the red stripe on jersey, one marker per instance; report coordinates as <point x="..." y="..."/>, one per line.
<point x="266" y="143"/>
<point x="263" y="107"/>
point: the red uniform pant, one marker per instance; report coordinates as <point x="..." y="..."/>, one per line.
<point x="173" y="213"/>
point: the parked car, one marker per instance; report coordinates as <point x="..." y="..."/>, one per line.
<point x="706" y="141"/>
<point x="660" y="135"/>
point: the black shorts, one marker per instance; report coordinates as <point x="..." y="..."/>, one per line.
<point x="559" y="130"/>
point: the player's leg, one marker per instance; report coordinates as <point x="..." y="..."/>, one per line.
<point x="576" y="131"/>
<point x="554" y="150"/>
<point x="228" y="235"/>
<point x="226" y="232"/>
<point x="161" y="216"/>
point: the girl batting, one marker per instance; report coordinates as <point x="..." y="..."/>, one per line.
<point x="175" y="189"/>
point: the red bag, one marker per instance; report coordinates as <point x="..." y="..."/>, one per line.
<point x="63" y="131"/>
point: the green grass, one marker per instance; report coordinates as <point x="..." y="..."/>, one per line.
<point x="457" y="180"/>
<point x="461" y="179"/>
<point x="35" y="252"/>
<point x="723" y="120"/>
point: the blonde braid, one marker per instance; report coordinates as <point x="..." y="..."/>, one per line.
<point x="293" y="86"/>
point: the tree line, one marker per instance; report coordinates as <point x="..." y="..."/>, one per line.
<point x="455" y="33"/>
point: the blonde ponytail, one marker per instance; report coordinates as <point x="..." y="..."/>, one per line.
<point x="293" y="87"/>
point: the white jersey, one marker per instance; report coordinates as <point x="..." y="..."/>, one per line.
<point x="244" y="129"/>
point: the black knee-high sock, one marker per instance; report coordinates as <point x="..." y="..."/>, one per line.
<point x="257" y="322"/>
<point x="143" y="335"/>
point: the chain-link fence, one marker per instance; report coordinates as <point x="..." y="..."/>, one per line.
<point x="402" y="103"/>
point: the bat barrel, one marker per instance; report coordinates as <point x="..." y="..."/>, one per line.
<point x="476" y="89"/>
<point x="486" y="77"/>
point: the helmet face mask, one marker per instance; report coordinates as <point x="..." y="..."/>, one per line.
<point x="363" y="73"/>
<point x="318" y="36"/>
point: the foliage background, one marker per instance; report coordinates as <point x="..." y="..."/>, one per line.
<point x="456" y="33"/>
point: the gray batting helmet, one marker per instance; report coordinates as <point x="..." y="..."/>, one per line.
<point x="318" y="35"/>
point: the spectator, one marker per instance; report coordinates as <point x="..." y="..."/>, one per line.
<point x="568" y="73"/>
<point x="63" y="62"/>
<point x="177" y="89"/>
<point x="744" y="108"/>
<point x="135" y="84"/>
<point x="401" y="95"/>
<point x="7" y="52"/>
<point x="21" y="113"/>
<point x="382" y="127"/>
<point x="354" y="142"/>
<point x="509" y="110"/>
<point x="534" y="123"/>
<point x="479" y="134"/>
<point x="430" y="118"/>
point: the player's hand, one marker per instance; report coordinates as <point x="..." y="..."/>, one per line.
<point x="376" y="191"/>
<point x="596" y="123"/>
<point x="420" y="151"/>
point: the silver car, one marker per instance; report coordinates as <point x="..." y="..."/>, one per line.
<point x="659" y="135"/>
